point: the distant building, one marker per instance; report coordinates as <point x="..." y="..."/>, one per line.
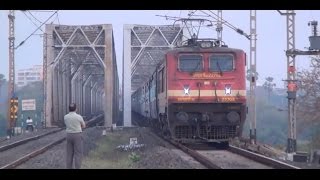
<point x="25" y="76"/>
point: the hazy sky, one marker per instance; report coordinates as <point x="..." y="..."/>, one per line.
<point x="271" y="30"/>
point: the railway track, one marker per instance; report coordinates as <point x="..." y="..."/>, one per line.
<point x="3" y="139"/>
<point x="23" y="141"/>
<point x="230" y="158"/>
<point x="262" y="159"/>
<point x="23" y="151"/>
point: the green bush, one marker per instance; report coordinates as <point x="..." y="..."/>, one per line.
<point x="134" y="157"/>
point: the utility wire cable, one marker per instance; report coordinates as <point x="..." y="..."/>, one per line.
<point x="31" y="20"/>
<point x="22" y="42"/>
<point x="34" y="17"/>
<point x="58" y="18"/>
<point x="43" y="11"/>
<point x="240" y="31"/>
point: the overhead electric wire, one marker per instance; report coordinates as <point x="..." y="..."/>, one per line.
<point x="192" y="29"/>
<point x="226" y="22"/>
<point x="31" y="20"/>
<point x="43" y="11"/>
<point x="58" y="18"/>
<point x="34" y="17"/>
<point x="240" y="31"/>
<point x="22" y="42"/>
<point x="172" y="18"/>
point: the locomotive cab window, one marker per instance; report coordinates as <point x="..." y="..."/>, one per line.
<point x="190" y="63"/>
<point x="221" y="63"/>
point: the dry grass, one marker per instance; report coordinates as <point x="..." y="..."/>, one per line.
<point x="304" y="146"/>
<point x="106" y="156"/>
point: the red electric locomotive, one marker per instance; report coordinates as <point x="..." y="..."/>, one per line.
<point x="198" y="93"/>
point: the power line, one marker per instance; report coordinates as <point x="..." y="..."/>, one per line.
<point x="173" y="18"/>
<point x="240" y="31"/>
<point x="31" y="20"/>
<point x="22" y="42"/>
<point x="191" y="13"/>
<point x="167" y="12"/>
<point x="43" y="11"/>
<point x="198" y="15"/>
<point x="224" y="21"/>
<point x="58" y="18"/>
<point x="34" y="17"/>
<point x="192" y="29"/>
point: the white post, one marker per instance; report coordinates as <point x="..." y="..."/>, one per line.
<point x="126" y="81"/>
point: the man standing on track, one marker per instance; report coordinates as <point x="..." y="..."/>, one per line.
<point x="74" y="125"/>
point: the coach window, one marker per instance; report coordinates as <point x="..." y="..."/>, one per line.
<point x="161" y="81"/>
<point x="190" y="63"/>
<point x="221" y="63"/>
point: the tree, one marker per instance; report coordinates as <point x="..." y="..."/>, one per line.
<point x="268" y="85"/>
<point x="271" y="124"/>
<point x="308" y="100"/>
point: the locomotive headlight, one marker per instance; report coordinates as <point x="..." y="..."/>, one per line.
<point x="186" y="90"/>
<point x="182" y="116"/>
<point x="233" y="117"/>
<point x="206" y="44"/>
<point x="228" y="89"/>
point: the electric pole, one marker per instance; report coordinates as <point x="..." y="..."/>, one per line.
<point x="291" y="53"/>
<point x="11" y="119"/>
<point x="253" y="76"/>
<point x="291" y="80"/>
<point x="45" y="59"/>
<point x="219" y="26"/>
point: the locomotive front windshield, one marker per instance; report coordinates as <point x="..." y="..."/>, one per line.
<point x="221" y="63"/>
<point x="190" y="63"/>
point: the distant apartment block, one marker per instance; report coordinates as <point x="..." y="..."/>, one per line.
<point x="26" y="76"/>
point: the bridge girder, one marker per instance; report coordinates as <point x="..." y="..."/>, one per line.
<point x="76" y="57"/>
